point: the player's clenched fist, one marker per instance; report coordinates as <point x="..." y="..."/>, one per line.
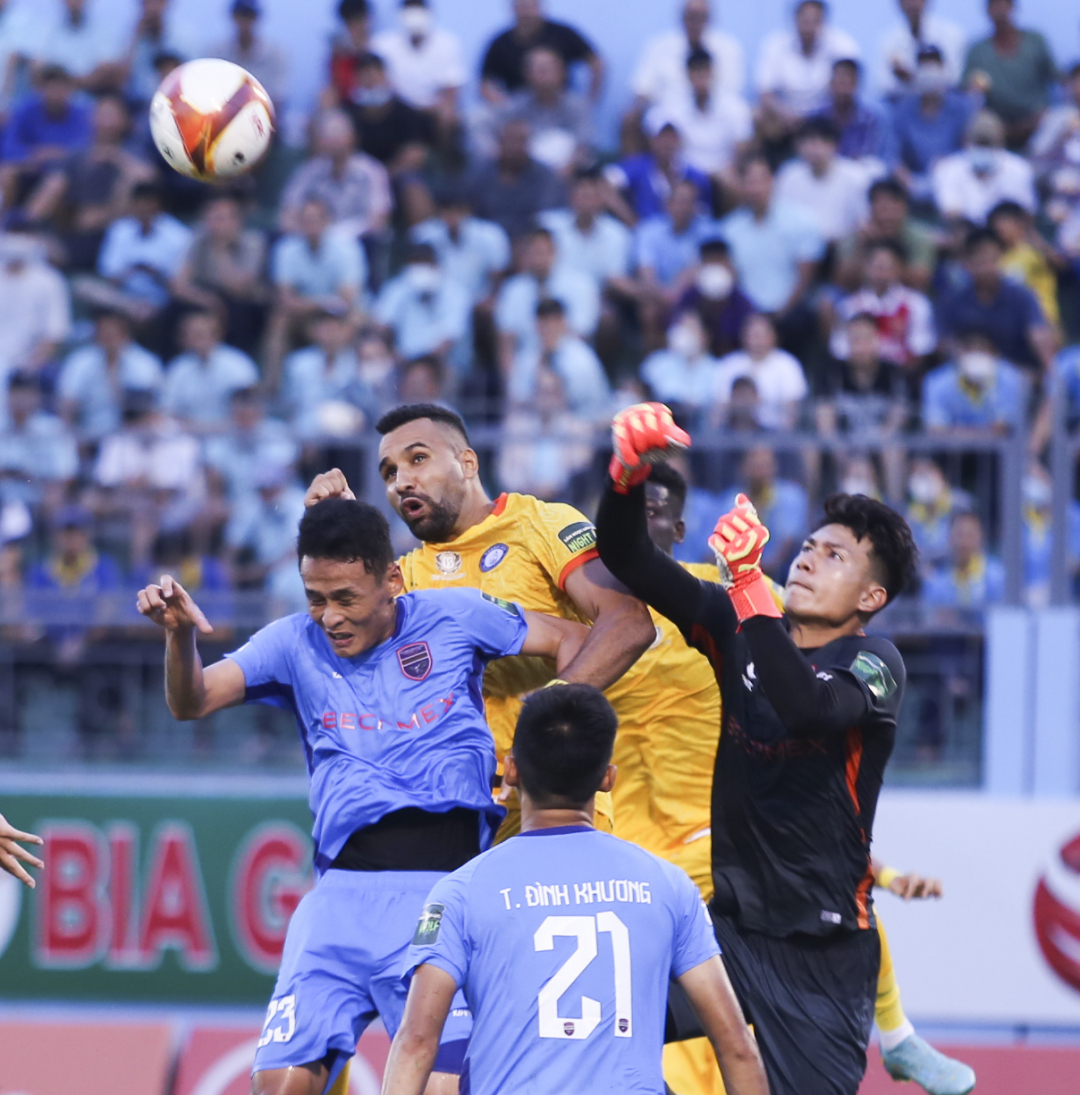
<point x="738" y="541"/>
<point x="641" y="435"/>
<point x="329" y="484"/>
<point x="170" y="606"/>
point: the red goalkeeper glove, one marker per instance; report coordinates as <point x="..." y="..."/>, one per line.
<point x="738" y="541"/>
<point x="642" y="435"/>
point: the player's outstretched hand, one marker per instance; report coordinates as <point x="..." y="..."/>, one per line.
<point x="738" y="542"/>
<point x="915" y="886"/>
<point x="641" y="435"/>
<point x="170" y="606"/>
<point x="11" y="852"/>
<point x="329" y="484"/>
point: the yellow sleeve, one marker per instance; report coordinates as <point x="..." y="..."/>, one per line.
<point x="565" y="540"/>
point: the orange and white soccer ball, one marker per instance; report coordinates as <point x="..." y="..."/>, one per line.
<point x="211" y="120"/>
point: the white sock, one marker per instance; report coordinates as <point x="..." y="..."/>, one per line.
<point x="890" y="1039"/>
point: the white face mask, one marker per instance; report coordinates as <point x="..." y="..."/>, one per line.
<point x="924" y="489"/>
<point x="856" y="484"/>
<point x="423" y="277"/>
<point x="977" y="366"/>
<point x="415" y="19"/>
<point x="983" y="160"/>
<point x="930" y="79"/>
<point x="685" y="341"/>
<point x="1037" y="492"/>
<point x="715" y="281"/>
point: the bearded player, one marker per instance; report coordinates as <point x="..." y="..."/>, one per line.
<point x="809" y="722"/>
<point x="541" y="555"/>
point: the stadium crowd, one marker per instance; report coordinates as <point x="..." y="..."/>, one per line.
<point x="769" y="250"/>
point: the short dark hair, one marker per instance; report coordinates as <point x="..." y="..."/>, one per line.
<point x="563" y="743"/>
<point x="848" y="62"/>
<point x="353" y="9"/>
<point x="549" y="306"/>
<point x="146" y="190"/>
<point x="590" y="173"/>
<point x="413" y="412"/>
<point x="538" y="230"/>
<point x="891" y="186"/>
<point x="671" y="479"/>
<point x="864" y="317"/>
<point x="347" y="531"/>
<point x="893" y="547"/>
<point x="817" y="126"/>
<point x="894" y="247"/>
<point x="1007" y="209"/>
<point x="699" y="58"/>
<point x="715" y="247"/>
<point x="370" y="60"/>
<point x="980" y="237"/>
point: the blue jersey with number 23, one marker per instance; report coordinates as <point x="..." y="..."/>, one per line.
<point x="564" y="941"/>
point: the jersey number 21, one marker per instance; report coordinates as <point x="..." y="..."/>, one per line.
<point x="584" y="929"/>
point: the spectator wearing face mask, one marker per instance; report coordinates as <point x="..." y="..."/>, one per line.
<point x="931" y="502"/>
<point x="683" y="375"/>
<point x="916" y="31"/>
<point x="905" y="317"/>
<point x="976" y="394"/>
<point x="721" y="305"/>
<point x="427" y="312"/>
<point x="777" y="375"/>
<point x="928" y="122"/>
<point x="969" y="578"/>
<point x="858" y="475"/>
<point x="969" y="183"/>
<point x="1036" y="535"/>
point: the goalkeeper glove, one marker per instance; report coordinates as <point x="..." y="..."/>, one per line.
<point x="738" y="541"/>
<point x="642" y="435"/>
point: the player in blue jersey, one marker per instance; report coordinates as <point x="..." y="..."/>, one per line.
<point x="386" y="694"/>
<point x="564" y="938"/>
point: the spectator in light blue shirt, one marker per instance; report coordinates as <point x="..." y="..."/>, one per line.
<point x="200" y="382"/>
<point x="318" y="263"/>
<point x="782" y="504"/>
<point x="667" y="245"/>
<point x="775" y="246"/>
<point x="142" y="253"/>
<point x="427" y="311"/>
<point x="472" y="252"/>
<point x="541" y="279"/>
<point x="970" y="578"/>
<point x="977" y="392"/>
<point x="38" y="454"/>
<point x="683" y="375"/>
<point x="93" y="378"/>
<point x="585" y="385"/>
<point x="1036" y="535"/>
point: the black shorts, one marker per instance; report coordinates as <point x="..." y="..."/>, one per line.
<point x="810" y="1000"/>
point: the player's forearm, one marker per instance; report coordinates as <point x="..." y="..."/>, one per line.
<point x="741" y="1066"/>
<point x="409" y="1065"/>
<point x="617" y="638"/>
<point x="622" y="538"/>
<point x="185" y="689"/>
<point x="804" y="702"/>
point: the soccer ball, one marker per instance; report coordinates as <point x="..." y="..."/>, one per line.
<point x="211" y="120"/>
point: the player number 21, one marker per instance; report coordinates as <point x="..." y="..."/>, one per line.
<point x="584" y="929"/>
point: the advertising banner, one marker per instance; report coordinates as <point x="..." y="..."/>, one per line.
<point x="156" y="898"/>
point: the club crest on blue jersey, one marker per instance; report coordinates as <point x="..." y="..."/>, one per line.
<point x="493" y="557"/>
<point x="415" y="661"/>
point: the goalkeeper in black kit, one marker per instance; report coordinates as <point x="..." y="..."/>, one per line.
<point x="809" y="719"/>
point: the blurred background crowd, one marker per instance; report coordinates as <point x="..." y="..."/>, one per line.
<point x="845" y="266"/>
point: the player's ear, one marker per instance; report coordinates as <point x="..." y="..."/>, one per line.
<point x="470" y="463"/>
<point x="680" y="531"/>
<point x="510" y="772"/>
<point x="608" y="781"/>
<point x="394" y="581"/>
<point x="873" y="598"/>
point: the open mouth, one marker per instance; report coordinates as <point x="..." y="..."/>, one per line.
<point x="412" y="507"/>
<point x="339" y="640"/>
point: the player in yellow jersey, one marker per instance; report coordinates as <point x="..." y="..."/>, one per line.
<point x="542" y="555"/>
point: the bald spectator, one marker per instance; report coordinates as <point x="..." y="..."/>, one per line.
<point x="513" y="188"/>
<point x="246" y="47"/>
<point x="794" y="66"/>
<point x="660" y="74"/>
<point x="353" y="187"/>
<point x="917" y="30"/>
<point x="969" y="183"/>
<point x="560" y="130"/>
<point x="502" y="71"/>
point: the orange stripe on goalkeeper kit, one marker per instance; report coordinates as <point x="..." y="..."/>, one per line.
<point x="860" y="898"/>
<point x="577" y="561"/>
<point x="854" y="763"/>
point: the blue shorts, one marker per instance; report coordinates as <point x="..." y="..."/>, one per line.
<point x="342" y="966"/>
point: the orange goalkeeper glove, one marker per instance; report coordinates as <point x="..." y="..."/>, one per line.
<point x="738" y="541"/>
<point x="640" y="436"/>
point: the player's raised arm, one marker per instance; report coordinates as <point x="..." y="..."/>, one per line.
<point x="191" y="691"/>
<point x="416" y="1044"/>
<point x="12" y="852"/>
<point x="328" y="484"/>
<point x="710" y="992"/>
<point x="640" y="434"/>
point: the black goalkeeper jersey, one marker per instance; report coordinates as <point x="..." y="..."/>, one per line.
<point x="805" y="738"/>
